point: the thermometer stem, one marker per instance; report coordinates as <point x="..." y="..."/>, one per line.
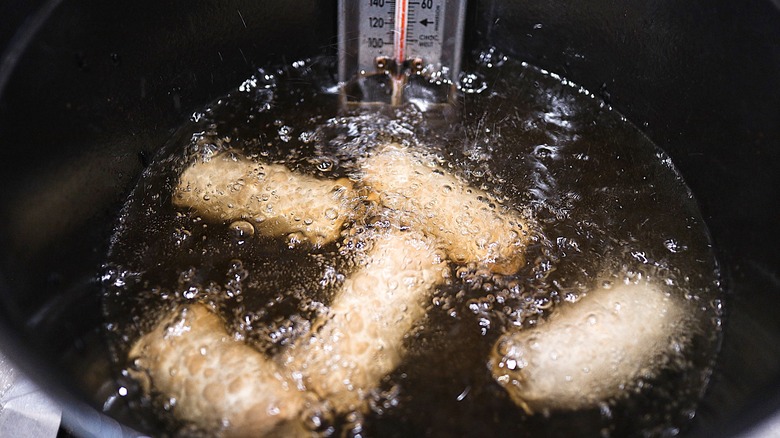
<point x="401" y="14"/>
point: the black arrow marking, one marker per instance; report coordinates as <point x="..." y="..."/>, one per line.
<point x="425" y="22"/>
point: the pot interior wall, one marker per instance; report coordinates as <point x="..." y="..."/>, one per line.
<point x="100" y="86"/>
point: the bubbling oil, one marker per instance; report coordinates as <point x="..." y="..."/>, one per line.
<point x="604" y="203"/>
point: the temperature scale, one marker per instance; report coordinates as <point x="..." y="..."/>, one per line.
<point x="396" y="51"/>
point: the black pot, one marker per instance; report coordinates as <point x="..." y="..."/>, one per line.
<point x="90" y="89"/>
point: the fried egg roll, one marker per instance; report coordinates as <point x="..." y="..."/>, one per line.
<point x="275" y="200"/>
<point x="471" y="225"/>
<point x="361" y="338"/>
<point x="590" y="351"/>
<point x="213" y="380"/>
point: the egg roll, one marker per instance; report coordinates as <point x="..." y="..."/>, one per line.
<point x="591" y="351"/>
<point x="221" y="384"/>
<point x="472" y="226"/>
<point x="361" y="338"/>
<point x="275" y="200"/>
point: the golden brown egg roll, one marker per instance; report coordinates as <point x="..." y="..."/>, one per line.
<point x="469" y="222"/>
<point x="274" y="199"/>
<point x="590" y="351"/>
<point x="361" y="338"/>
<point x="216" y="382"/>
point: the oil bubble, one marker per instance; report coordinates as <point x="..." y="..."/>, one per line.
<point x="472" y="83"/>
<point x="491" y="57"/>
<point x="242" y="229"/>
<point x="674" y="246"/>
<point x="331" y="214"/>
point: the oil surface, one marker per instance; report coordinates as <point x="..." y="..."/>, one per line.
<point x="605" y="204"/>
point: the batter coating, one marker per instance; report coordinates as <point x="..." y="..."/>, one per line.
<point x="275" y="200"/>
<point x="221" y="384"/>
<point x="592" y="350"/>
<point x="469" y="222"/>
<point x="360" y="340"/>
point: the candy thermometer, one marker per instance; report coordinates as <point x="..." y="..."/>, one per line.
<point x="397" y="51"/>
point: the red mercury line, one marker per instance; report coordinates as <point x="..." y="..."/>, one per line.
<point x="401" y="7"/>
